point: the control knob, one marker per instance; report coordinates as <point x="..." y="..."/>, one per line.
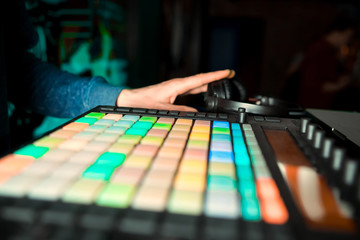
<point x="304" y="124"/>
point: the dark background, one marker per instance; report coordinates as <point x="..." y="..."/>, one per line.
<point x="162" y="39"/>
<point x="156" y="40"/>
<point x="259" y="39"/>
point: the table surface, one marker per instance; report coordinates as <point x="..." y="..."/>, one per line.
<point x="347" y="123"/>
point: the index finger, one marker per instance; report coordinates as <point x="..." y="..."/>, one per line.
<point x="198" y="80"/>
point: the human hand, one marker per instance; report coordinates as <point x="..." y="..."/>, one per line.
<point x="163" y="95"/>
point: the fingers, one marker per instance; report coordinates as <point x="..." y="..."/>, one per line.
<point x="197" y="90"/>
<point x="193" y="82"/>
<point x="163" y="95"/>
<point x="232" y="74"/>
<point x="172" y="107"/>
<point x="205" y="78"/>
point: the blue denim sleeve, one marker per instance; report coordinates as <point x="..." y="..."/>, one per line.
<point x="32" y="83"/>
<point x="61" y="94"/>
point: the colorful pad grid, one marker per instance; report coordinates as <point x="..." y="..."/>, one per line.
<point x="183" y="166"/>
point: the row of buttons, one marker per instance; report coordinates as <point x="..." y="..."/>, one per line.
<point x="331" y="158"/>
<point x="267" y="119"/>
<point x="166" y="112"/>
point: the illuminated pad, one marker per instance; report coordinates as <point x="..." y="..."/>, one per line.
<point x="32" y="151"/>
<point x="182" y="166"/>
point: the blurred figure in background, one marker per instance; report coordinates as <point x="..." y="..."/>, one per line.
<point x="322" y="72"/>
<point x="349" y="98"/>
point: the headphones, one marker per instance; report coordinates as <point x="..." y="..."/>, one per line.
<point x="230" y="96"/>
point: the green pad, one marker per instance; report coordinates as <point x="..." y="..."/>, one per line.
<point x="96" y="115"/>
<point x="33" y="151"/>
<point x="166" y="126"/>
<point x="148" y="119"/>
<point x="116" y="195"/>
<point x="88" y="120"/>
<point x="145" y="125"/>
<point x="137" y="131"/>
<point x="112" y="159"/>
<point x="219" y="130"/>
<point x="221" y="183"/>
<point x="98" y="172"/>
<point x="250" y="209"/>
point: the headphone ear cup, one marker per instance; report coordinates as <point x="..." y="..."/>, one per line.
<point x="241" y="91"/>
<point x="228" y="92"/>
<point x="234" y="90"/>
<point x="216" y="89"/>
<point x="211" y="104"/>
<point x="228" y="95"/>
<point x="227" y="89"/>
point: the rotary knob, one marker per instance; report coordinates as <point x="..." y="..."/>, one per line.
<point x="327" y="148"/>
<point x="310" y="131"/>
<point x="349" y="175"/>
<point x="336" y="165"/>
<point x="318" y="138"/>
<point x="304" y="124"/>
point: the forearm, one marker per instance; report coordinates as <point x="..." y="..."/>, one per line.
<point x="51" y="91"/>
